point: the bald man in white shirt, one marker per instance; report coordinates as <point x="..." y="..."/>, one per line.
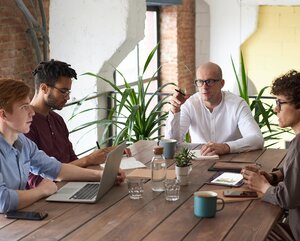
<point x="218" y="119"/>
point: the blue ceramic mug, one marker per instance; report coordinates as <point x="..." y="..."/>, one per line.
<point x="205" y="204"/>
<point x="169" y="147"/>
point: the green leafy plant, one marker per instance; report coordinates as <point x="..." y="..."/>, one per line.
<point x="262" y="111"/>
<point x="135" y="116"/>
<point x="183" y="157"/>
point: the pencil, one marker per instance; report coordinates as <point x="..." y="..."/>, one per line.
<point x="180" y="92"/>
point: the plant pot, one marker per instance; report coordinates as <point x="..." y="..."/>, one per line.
<point x="182" y="174"/>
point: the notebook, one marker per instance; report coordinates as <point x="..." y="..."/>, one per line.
<point x="91" y="192"/>
<point x="198" y="156"/>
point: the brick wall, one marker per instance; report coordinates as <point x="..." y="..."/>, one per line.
<point x="17" y="58"/>
<point x="178" y="45"/>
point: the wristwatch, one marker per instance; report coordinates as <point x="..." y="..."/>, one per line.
<point x="274" y="178"/>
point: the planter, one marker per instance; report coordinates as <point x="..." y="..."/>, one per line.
<point x="182" y="174"/>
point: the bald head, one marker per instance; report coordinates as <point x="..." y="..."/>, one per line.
<point x="208" y="71"/>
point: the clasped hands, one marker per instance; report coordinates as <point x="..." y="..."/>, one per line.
<point x="211" y="149"/>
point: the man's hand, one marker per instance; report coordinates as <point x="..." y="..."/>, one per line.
<point x="121" y="177"/>
<point x="99" y="156"/>
<point x="176" y="101"/>
<point x="127" y="152"/>
<point x="96" y="157"/>
<point x="47" y="187"/>
<point x="211" y="148"/>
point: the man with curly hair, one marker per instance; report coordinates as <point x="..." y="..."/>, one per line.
<point x="48" y="129"/>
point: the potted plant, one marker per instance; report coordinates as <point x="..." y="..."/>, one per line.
<point x="262" y="111"/>
<point x="183" y="165"/>
<point x="134" y="115"/>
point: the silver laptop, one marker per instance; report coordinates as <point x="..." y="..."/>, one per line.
<point x="91" y="192"/>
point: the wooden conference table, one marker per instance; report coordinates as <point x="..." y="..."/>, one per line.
<point x="116" y="217"/>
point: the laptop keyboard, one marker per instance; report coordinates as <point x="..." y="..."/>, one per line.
<point x="89" y="191"/>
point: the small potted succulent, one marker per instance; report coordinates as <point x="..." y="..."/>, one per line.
<point x="183" y="165"/>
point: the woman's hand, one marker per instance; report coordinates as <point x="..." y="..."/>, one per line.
<point x="255" y="179"/>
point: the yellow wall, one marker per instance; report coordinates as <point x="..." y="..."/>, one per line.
<point x="275" y="47"/>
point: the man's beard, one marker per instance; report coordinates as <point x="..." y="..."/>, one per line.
<point x="51" y="103"/>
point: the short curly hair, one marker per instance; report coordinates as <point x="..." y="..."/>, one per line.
<point x="289" y="86"/>
<point x="48" y="72"/>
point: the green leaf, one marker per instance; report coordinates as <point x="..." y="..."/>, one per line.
<point x="262" y="111"/>
<point x="150" y="56"/>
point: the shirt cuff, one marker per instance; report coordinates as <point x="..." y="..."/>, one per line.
<point x="231" y="147"/>
<point x="14" y="199"/>
<point x="11" y="202"/>
<point x="269" y="196"/>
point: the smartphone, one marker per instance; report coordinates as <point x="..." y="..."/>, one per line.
<point x="26" y="215"/>
<point x="233" y="193"/>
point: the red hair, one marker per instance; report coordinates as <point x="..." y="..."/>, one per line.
<point x="12" y="91"/>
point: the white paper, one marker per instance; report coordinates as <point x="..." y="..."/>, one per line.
<point x="228" y="178"/>
<point x="128" y="163"/>
<point x="198" y="155"/>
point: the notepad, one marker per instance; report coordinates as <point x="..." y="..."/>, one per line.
<point x="198" y="155"/>
<point x="128" y="163"/>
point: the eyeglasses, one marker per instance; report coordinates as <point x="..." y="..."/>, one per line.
<point x="63" y="91"/>
<point x="279" y="103"/>
<point x="208" y="82"/>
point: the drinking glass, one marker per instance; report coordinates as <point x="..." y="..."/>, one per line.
<point x="172" y="189"/>
<point x="135" y="188"/>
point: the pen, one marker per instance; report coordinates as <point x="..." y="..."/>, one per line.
<point x="258" y="164"/>
<point x="98" y="144"/>
<point x="180" y="92"/>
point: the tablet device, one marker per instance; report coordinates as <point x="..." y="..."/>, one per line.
<point x="227" y="179"/>
<point x="229" y="166"/>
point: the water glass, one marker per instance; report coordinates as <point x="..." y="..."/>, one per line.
<point x="135" y="188"/>
<point x="172" y="188"/>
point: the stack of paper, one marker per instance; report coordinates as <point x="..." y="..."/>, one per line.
<point x="128" y="163"/>
<point x="198" y="155"/>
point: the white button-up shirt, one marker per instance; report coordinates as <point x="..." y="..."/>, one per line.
<point x="230" y="122"/>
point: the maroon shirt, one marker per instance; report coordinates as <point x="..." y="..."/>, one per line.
<point x="51" y="135"/>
